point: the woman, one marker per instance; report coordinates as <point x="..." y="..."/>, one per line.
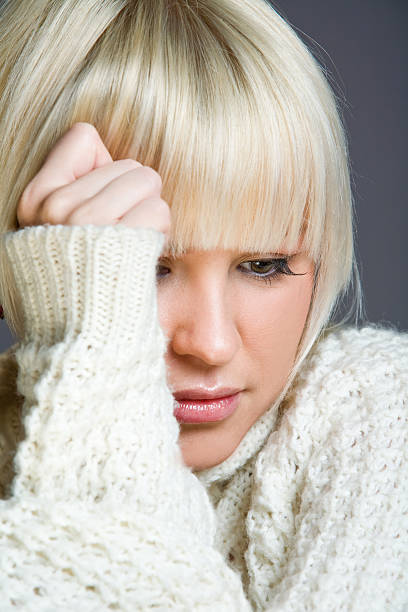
<point x="176" y="218"/>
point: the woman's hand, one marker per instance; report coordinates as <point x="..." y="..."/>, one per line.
<point x="79" y="184"/>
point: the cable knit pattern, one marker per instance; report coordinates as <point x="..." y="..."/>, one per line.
<point x="309" y="513"/>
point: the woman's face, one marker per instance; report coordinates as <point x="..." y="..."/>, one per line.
<point x="233" y="321"/>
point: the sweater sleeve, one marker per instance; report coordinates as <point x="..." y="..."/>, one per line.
<point x="328" y="526"/>
<point x="104" y="515"/>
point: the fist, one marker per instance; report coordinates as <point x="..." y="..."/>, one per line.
<point x="80" y="184"/>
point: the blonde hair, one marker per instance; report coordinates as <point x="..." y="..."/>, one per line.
<point x="219" y="96"/>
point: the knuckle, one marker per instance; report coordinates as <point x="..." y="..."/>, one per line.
<point x="162" y="207"/>
<point x="78" y="217"/>
<point x="53" y="207"/>
<point x="23" y="206"/>
<point x="85" y="131"/>
<point x="22" y="220"/>
<point x="49" y="216"/>
<point x="128" y="163"/>
<point x="152" y="177"/>
<point x="165" y="225"/>
<point x="161" y="212"/>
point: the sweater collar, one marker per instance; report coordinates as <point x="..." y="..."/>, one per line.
<point x="250" y="444"/>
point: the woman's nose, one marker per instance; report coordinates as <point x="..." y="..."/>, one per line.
<point x="206" y="328"/>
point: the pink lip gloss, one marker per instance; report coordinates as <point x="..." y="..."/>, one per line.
<point x="205" y="410"/>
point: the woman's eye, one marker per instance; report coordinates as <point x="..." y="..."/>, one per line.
<point x="161" y="271"/>
<point x="266" y="269"/>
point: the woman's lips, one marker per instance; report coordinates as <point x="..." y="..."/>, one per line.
<point x="203" y="406"/>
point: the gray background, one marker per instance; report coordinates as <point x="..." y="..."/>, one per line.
<point x="363" y="44"/>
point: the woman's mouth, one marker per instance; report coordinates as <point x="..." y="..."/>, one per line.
<point x="203" y="406"/>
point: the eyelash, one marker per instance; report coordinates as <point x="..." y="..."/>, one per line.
<point x="280" y="267"/>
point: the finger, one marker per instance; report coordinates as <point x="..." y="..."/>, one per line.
<point x="152" y="212"/>
<point x="78" y="152"/>
<point x="65" y="200"/>
<point x="119" y="196"/>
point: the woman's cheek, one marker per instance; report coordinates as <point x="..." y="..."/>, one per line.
<point x="271" y="324"/>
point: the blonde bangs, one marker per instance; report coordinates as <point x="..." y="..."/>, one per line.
<point x="189" y="100"/>
<point x="234" y="176"/>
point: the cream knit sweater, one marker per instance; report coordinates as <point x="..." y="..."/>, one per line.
<point x="309" y="513"/>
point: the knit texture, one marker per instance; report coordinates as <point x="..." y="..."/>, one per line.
<point x="309" y="513"/>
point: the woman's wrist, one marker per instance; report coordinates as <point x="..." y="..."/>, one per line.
<point x="93" y="281"/>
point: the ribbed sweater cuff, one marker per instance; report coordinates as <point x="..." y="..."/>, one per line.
<point x="93" y="281"/>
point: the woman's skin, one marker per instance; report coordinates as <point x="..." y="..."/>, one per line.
<point x="230" y="328"/>
<point x="233" y="320"/>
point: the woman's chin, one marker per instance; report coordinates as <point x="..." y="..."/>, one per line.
<point x="203" y="447"/>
